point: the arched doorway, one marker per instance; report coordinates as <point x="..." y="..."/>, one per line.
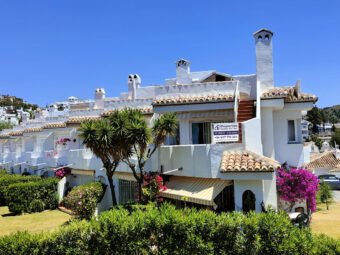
<point x="248" y="201"/>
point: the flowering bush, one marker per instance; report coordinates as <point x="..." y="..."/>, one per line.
<point x="295" y="185"/>
<point x="60" y="173"/>
<point x="62" y="141"/>
<point x="152" y="185"/>
<point x="83" y="199"/>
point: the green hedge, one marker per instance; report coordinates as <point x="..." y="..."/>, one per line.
<point x="165" y="230"/>
<point x="32" y="196"/>
<point x="3" y="172"/>
<point x="8" y="179"/>
<point x="83" y="199"/>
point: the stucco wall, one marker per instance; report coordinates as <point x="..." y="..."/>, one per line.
<point x="241" y="186"/>
<point x="292" y="153"/>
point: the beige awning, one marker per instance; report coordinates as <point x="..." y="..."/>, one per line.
<point x="196" y="190"/>
<point x="83" y="172"/>
<point x="126" y="176"/>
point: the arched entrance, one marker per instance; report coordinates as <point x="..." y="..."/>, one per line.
<point x="248" y="201"/>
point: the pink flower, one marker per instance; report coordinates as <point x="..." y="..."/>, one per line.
<point x="79" y="203"/>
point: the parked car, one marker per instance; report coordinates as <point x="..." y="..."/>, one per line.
<point x="331" y="180"/>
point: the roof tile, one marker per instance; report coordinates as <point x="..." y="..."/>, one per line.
<point x="193" y="99"/>
<point x="247" y="161"/>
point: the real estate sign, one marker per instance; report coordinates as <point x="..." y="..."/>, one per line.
<point x="225" y="132"/>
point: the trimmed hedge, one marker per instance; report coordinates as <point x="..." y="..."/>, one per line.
<point x="8" y="179"/>
<point x="83" y="199"/>
<point x="32" y="196"/>
<point x="166" y="230"/>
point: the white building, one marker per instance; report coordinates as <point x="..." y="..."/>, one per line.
<point x="237" y="175"/>
<point x="8" y="115"/>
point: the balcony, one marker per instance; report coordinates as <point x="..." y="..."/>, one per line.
<point x="196" y="160"/>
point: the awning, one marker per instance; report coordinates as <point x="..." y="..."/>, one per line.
<point x="83" y="172"/>
<point x="196" y="190"/>
<point x="126" y="176"/>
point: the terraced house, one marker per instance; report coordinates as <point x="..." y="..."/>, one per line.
<point x="234" y="132"/>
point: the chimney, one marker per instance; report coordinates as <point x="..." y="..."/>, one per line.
<point x="99" y="96"/>
<point x="183" y="72"/>
<point x="264" y="58"/>
<point x="337" y="151"/>
<point x="134" y="82"/>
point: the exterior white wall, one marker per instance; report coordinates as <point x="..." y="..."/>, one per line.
<point x="196" y="160"/>
<point x="240" y="186"/>
<point x="250" y="133"/>
<point x="270" y="193"/>
<point x="292" y="153"/>
<point x="267" y="132"/>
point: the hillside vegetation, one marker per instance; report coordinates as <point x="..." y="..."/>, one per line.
<point x="333" y="113"/>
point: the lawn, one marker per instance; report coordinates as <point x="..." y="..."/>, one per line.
<point x="327" y="222"/>
<point x="34" y="223"/>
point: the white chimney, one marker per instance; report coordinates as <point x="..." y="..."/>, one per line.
<point x="183" y="72"/>
<point x="337" y="151"/>
<point x="264" y="58"/>
<point x="99" y="96"/>
<point x="134" y="82"/>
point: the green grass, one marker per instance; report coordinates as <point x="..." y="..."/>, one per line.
<point x="33" y="223"/>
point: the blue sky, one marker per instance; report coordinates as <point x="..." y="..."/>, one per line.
<point x="50" y="50"/>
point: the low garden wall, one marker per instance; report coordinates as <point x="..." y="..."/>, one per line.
<point x="166" y="230"/>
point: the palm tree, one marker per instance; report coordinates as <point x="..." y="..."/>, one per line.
<point x="138" y="137"/>
<point x="98" y="136"/>
<point x="123" y="136"/>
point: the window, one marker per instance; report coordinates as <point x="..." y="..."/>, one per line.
<point x="127" y="191"/>
<point x="291" y="131"/>
<point x="201" y="133"/>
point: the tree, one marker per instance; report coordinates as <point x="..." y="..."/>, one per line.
<point x="335" y="138"/>
<point x="317" y="141"/>
<point x="296" y="185"/>
<point x="315" y="117"/>
<point x="99" y="137"/>
<point x="325" y="193"/>
<point x="138" y="141"/>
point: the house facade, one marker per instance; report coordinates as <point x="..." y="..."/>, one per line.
<point x="234" y="132"/>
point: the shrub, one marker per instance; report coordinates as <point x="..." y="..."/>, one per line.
<point x="166" y="230"/>
<point x="7" y="179"/>
<point x="3" y="172"/>
<point x="32" y="196"/>
<point x="83" y="199"/>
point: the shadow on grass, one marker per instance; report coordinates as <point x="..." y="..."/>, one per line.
<point x="10" y="214"/>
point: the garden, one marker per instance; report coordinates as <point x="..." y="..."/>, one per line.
<point x="163" y="229"/>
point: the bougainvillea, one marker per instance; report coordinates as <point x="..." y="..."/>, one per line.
<point x="296" y="185"/>
<point x="60" y="173"/>
<point x="62" y="141"/>
<point x="153" y="184"/>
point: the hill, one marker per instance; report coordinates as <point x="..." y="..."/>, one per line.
<point x="16" y="102"/>
<point x="333" y="113"/>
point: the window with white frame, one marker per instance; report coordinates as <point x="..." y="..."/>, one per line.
<point x="291" y="131"/>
